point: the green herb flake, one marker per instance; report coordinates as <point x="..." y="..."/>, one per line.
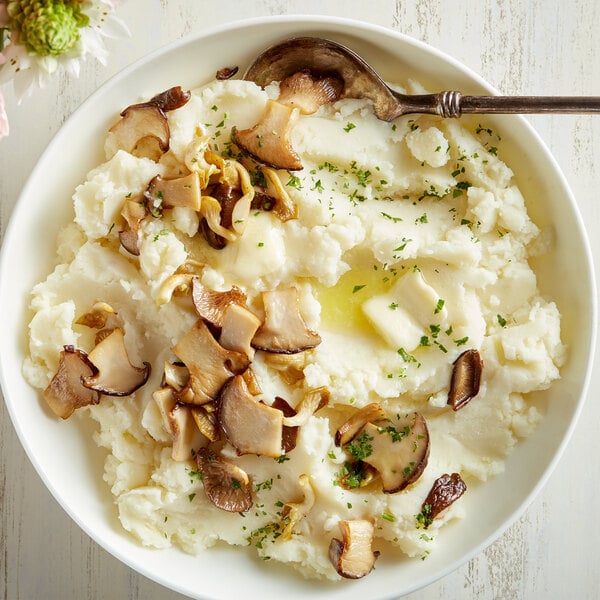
<point x="388" y="517"/>
<point x="501" y="320"/>
<point x="349" y="127"/>
<point x="360" y="447"/>
<point x="357" y="288"/>
<point x="439" y="306"/>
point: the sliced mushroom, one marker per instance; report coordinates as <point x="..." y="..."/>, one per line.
<point x="399" y="451"/>
<point x="211" y="304"/>
<point x="169" y="193"/>
<point x="116" y="376"/>
<point x="226" y="485"/>
<point x="170" y="99"/>
<point x="178" y="282"/>
<point x="289" y="366"/>
<point x="356" y="475"/>
<point x="250" y="426"/>
<point x="252" y="382"/>
<point x="210" y="365"/>
<point x="134" y="213"/>
<point x="141" y="121"/>
<point x="226" y="73"/>
<point x="371" y="413"/>
<point x="65" y="393"/>
<point x="446" y="490"/>
<point x="312" y="401"/>
<point x="176" y="375"/>
<point x="147" y="121"/>
<point x="165" y="401"/>
<point x="206" y="422"/>
<point x="187" y="438"/>
<point x="466" y="379"/>
<point x="130" y="241"/>
<point x="283" y="206"/>
<point x="97" y="317"/>
<point x="238" y="328"/>
<point x="353" y="556"/>
<point x="307" y="92"/>
<point x="269" y="140"/>
<point x="284" y="330"/>
<point x="294" y="512"/>
<point x="289" y="435"/>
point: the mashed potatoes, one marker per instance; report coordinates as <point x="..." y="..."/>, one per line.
<point x="410" y="245"/>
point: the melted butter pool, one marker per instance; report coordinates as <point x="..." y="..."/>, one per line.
<point x="341" y="304"/>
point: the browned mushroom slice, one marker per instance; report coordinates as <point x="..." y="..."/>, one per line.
<point x="169" y="193"/>
<point x="446" y="490"/>
<point x="371" y="413"/>
<point x="399" y="450"/>
<point x="210" y="365"/>
<point x="130" y="241"/>
<point x="284" y="330"/>
<point x="226" y="73"/>
<point x="65" y="393"/>
<point x="226" y="485"/>
<point x="97" y="317"/>
<point x="353" y="555"/>
<point x="283" y="206"/>
<point x="116" y="375"/>
<point x="176" y="375"/>
<point x="187" y="438"/>
<point x="250" y="426"/>
<point x="290" y="367"/>
<point x="312" y="401"/>
<point x="269" y="140"/>
<point x="133" y="212"/>
<point x="206" y="422"/>
<point x="307" y="92"/>
<point x="141" y="121"/>
<point x="289" y="435"/>
<point x="170" y="99"/>
<point x="238" y="328"/>
<point x="466" y="378"/>
<point x="211" y="304"/>
<point x="294" y="512"/>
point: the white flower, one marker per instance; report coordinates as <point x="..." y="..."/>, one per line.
<point x="26" y="70"/>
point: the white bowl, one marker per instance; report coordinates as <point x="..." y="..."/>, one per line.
<point x="66" y="458"/>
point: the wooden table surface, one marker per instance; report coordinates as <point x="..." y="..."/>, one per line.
<point x="519" y="46"/>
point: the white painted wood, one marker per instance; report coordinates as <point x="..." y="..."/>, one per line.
<point x="520" y="46"/>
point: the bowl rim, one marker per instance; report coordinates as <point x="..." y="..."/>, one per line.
<point x="304" y="21"/>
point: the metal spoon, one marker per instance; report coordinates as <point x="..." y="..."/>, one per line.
<point x="326" y="57"/>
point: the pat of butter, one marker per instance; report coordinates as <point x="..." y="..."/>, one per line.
<point x="403" y="315"/>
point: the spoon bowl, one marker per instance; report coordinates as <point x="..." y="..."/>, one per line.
<point x="323" y="57"/>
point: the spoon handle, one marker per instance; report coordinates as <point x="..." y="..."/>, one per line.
<point x="453" y="104"/>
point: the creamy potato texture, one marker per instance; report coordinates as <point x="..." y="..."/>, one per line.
<point x="412" y="244"/>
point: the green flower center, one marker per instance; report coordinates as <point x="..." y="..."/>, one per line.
<point x="47" y="27"/>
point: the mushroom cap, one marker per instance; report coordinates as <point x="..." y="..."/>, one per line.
<point x="445" y="490"/>
<point x="308" y="92"/>
<point x="466" y="379"/>
<point x="226" y="485"/>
